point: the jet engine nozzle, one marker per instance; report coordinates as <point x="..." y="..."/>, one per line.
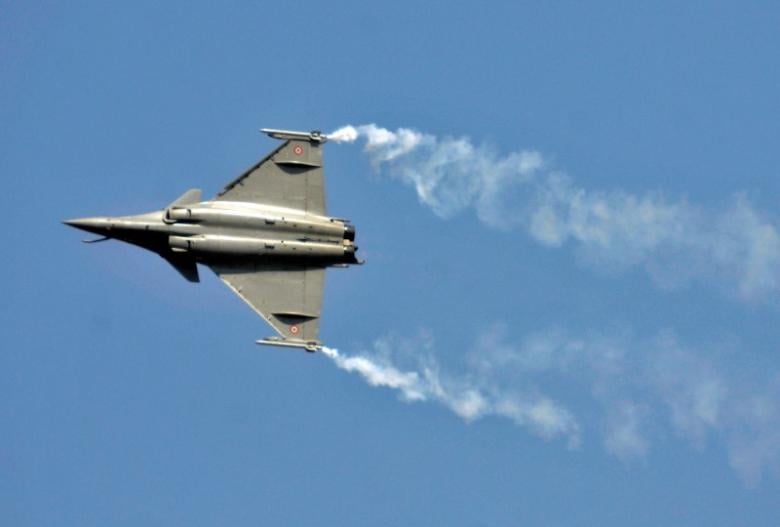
<point x="349" y="232"/>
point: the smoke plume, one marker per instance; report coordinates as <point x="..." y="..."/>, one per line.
<point x="673" y="240"/>
<point x="550" y="382"/>
<point x="631" y="393"/>
<point x="467" y="398"/>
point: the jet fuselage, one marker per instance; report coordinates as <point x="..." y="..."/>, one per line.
<point x="218" y="230"/>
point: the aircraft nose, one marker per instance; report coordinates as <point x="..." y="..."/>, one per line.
<point x="94" y="225"/>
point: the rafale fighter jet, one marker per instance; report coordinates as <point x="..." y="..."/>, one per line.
<point x="267" y="235"/>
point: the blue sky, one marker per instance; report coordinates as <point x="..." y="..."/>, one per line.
<point x="572" y="285"/>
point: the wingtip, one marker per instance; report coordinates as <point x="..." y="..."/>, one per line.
<point x="308" y="345"/>
<point x="315" y="135"/>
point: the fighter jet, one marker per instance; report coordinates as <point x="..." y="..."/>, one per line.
<point x="267" y="235"/>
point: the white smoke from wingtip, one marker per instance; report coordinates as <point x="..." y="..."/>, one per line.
<point x="465" y="397"/>
<point x="673" y="240"/>
<point x="634" y="391"/>
<point x="407" y="383"/>
<point x="345" y="134"/>
<point x="383" y="144"/>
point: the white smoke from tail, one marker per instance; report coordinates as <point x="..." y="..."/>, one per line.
<point x="465" y="397"/>
<point x="674" y="240"/>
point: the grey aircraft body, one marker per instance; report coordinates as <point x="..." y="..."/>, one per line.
<point x="267" y="235"/>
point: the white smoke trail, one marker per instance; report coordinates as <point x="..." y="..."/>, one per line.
<point x="632" y="390"/>
<point x="641" y="387"/>
<point x="464" y="397"/>
<point x="674" y="240"/>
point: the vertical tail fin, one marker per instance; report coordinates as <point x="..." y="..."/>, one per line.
<point x="188" y="198"/>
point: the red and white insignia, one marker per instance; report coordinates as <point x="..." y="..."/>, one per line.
<point x="298" y="150"/>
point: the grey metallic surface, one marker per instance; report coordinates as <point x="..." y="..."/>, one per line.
<point x="266" y="235"/>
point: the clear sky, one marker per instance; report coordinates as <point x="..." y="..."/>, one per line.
<point x="573" y="265"/>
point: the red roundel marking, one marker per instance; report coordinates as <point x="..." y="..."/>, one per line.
<point x="298" y="150"/>
<point x="294" y="330"/>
